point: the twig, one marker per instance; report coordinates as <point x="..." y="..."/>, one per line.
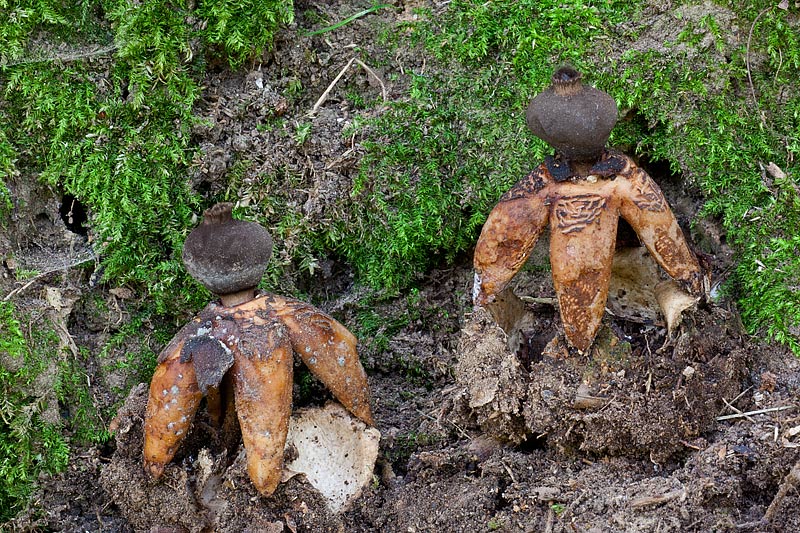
<point x="20" y="289"/>
<point x="752" y="525"/>
<point x="426" y="415"/>
<point x="461" y="430"/>
<point x="737" y="411"/>
<point x="747" y="53"/>
<point x="647" y="501"/>
<point x="790" y="482"/>
<point x="533" y="300"/>
<point x="372" y="73"/>
<point x="66" y="58"/>
<point x="759" y="412"/>
<point x="732" y="402"/>
<point x="327" y="92"/>
<point x="509" y="471"/>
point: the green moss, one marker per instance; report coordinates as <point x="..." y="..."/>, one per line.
<point x="244" y="27"/>
<point x="406" y="444"/>
<point x="47" y="408"/>
<point x="438" y="161"/>
<point x="115" y="133"/>
<point x="126" y="351"/>
<point x="29" y="444"/>
<point x="702" y="117"/>
<point x="82" y="416"/>
<point x="7" y="170"/>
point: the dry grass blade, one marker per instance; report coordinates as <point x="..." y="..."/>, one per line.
<point x="327" y="92"/>
<point x="759" y="412"/>
<point x="372" y="73"/>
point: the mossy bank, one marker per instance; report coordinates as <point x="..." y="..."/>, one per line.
<point x="122" y="111"/>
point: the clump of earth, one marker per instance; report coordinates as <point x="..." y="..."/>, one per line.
<point x="625" y="398"/>
<point x="482" y="429"/>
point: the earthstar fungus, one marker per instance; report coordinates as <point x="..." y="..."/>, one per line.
<point x="580" y="192"/>
<point x="238" y="352"/>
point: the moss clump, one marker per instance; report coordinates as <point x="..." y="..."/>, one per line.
<point x="31" y="442"/>
<point x="243" y="28"/>
<point x="440" y="159"/>
<point x="110" y="124"/>
<point x="7" y="157"/>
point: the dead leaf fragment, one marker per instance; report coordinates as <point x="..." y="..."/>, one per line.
<point x="673" y="301"/>
<point x="768" y="382"/>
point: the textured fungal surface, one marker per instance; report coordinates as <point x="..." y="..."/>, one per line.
<point x="583" y="215"/>
<point x="573" y="118"/>
<point x="581" y="193"/>
<point x="239" y="354"/>
<point x="256" y="341"/>
<point x="227" y="255"/>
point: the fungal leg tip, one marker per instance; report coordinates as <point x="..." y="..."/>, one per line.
<point x="156" y="470"/>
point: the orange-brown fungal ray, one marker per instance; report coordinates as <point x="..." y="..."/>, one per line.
<point x="262" y="378"/>
<point x="329" y="350"/>
<point x="509" y="235"/>
<point x="644" y="207"/>
<point x="171" y="406"/>
<point x="583" y="221"/>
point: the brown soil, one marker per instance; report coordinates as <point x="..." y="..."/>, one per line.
<point x="476" y="435"/>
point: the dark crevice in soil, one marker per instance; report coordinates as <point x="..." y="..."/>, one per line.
<point x="73" y="213"/>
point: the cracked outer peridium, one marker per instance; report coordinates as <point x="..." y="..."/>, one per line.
<point x="583" y="217"/>
<point x="262" y="380"/>
<point x="173" y="401"/>
<point x="261" y="334"/>
<point x="327" y="348"/>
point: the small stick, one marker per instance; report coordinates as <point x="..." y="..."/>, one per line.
<point x="43" y="274"/>
<point x="759" y="412"/>
<point x="426" y="415"/>
<point x="65" y="58"/>
<point x="460" y="429"/>
<point x="330" y="87"/>
<point x="532" y="300"/>
<point x="790" y="483"/>
<point x="20" y="289"/>
<point x="732" y="402"/>
<point x="737" y="411"/>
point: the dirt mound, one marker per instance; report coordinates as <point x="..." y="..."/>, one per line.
<point x="204" y="488"/>
<point x="631" y="396"/>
